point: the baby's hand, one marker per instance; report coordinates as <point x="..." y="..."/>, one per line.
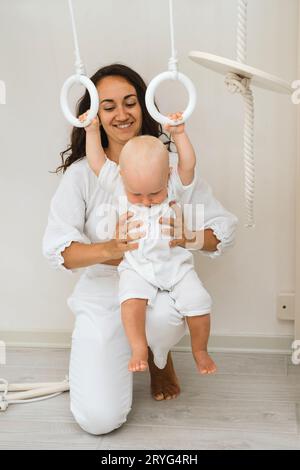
<point x="93" y="126"/>
<point x="174" y="130"/>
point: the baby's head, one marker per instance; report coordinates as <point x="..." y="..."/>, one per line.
<point x="144" y="167"/>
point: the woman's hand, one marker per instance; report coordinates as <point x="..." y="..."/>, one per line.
<point x="177" y="229"/>
<point x="182" y="236"/>
<point x="93" y="126"/>
<point x="174" y="130"/>
<point x="122" y="241"/>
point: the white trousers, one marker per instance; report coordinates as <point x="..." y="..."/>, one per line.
<point x="100" y="383"/>
<point x="190" y="296"/>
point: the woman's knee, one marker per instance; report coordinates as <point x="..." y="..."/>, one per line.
<point x="164" y="327"/>
<point x="164" y="313"/>
<point x="101" y="420"/>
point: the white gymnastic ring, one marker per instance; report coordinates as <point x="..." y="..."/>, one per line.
<point x="149" y="98"/>
<point x="94" y="106"/>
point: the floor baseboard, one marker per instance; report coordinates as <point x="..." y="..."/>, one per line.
<point x="217" y="343"/>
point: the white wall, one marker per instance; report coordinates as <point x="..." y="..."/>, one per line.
<point x="36" y="55"/>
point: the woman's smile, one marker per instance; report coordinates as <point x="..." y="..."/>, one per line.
<point x="125" y="126"/>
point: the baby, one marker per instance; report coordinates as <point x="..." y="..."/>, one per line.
<point x="147" y="183"/>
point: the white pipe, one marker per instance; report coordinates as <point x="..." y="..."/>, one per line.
<point x="39" y="392"/>
<point x="28" y="386"/>
<point x="32" y="392"/>
<point x="297" y="247"/>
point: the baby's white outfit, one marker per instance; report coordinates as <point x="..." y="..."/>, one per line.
<point x="155" y="265"/>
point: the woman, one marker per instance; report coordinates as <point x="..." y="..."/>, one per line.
<point x="100" y="383"/>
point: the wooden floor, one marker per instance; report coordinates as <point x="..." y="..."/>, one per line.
<point x="253" y="402"/>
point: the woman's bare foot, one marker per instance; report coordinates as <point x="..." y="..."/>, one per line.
<point x="164" y="382"/>
<point x="204" y="362"/>
<point x="139" y="359"/>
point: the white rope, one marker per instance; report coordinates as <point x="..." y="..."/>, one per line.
<point x="241" y="49"/>
<point x="238" y="84"/>
<point x="32" y="393"/>
<point x="171" y="74"/>
<point x="78" y="77"/>
<point x="172" y="64"/>
<point x="78" y="63"/>
<point x="21" y="387"/>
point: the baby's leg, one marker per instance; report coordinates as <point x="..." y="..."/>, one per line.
<point x="134" y="294"/>
<point x="133" y="315"/>
<point x="194" y="302"/>
<point x="199" y="327"/>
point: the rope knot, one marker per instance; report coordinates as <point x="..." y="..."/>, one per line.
<point x="237" y="84"/>
<point x="79" y="66"/>
<point x="172" y="65"/>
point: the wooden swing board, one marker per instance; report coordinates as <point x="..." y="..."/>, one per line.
<point x="223" y="66"/>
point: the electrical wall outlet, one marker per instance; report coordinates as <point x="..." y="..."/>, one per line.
<point x="286" y="307"/>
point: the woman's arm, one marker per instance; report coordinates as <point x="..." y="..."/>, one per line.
<point x="81" y="255"/>
<point x="204" y="240"/>
<point x="208" y="214"/>
<point x="210" y="241"/>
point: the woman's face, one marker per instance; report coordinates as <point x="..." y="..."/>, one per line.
<point x="119" y="110"/>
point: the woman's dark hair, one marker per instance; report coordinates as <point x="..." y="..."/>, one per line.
<point x="76" y="150"/>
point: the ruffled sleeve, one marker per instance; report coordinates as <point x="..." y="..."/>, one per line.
<point x="216" y="217"/>
<point x="224" y="228"/>
<point x="66" y="218"/>
<point x="207" y="212"/>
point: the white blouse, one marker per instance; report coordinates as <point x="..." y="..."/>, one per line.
<point x="75" y="212"/>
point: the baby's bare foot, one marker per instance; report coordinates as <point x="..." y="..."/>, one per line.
<point x="139" y="360"/>
<point x="205" y="364"/>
